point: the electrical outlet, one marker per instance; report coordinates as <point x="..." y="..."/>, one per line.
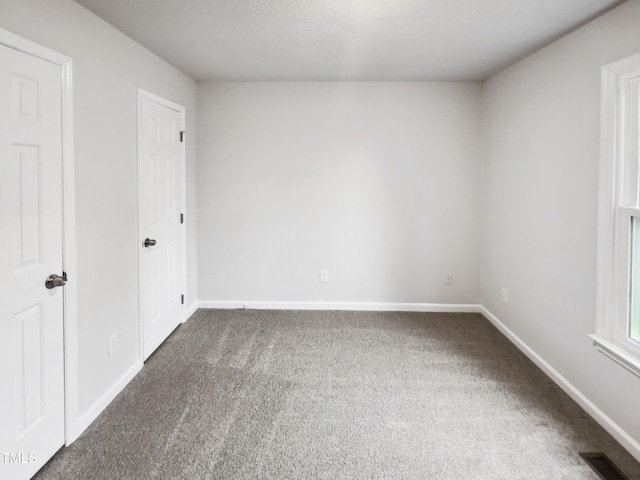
<point x="505" y="295"/>
<point x="324" y="276"/>
<point x="113" y="343"/>
<point x="448" y="278"/>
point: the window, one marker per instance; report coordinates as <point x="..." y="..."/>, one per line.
<point x="618" y="301"/>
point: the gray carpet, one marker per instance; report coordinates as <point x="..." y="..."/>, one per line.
<point x="338" y="395"/>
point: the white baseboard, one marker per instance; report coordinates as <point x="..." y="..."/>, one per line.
<point x="98" y="407"/>
<point x="345" y="306"/>
<point x="632" y="446"/>
<point x="190" y="311"/>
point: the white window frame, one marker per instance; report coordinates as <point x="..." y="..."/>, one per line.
<point x="619" y="201"/>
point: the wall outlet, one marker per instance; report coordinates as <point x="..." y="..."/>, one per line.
<point x="505" y="295"/>
<point x="324" y="276"/>
<point x="113" y="343"/>
<point x="448" y="278"/>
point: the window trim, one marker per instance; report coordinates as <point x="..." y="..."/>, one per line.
<point x="619" y="143"/>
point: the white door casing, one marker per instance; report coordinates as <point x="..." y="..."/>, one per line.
<point x="161" y="156"/>
<point x="31" y="213"/>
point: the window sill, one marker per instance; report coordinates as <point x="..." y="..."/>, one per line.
<point x="618" y="354"/>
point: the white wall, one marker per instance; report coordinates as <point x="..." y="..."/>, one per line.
<point x="375" y="182"/>
<point x="108" y="68"/>
<point x="540" y="185"/>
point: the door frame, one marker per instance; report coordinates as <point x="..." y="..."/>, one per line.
<point x="182" y="274"/>
<point x="69" y="263"/>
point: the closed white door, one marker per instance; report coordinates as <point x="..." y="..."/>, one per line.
<point x="160" y="167"/>
<point x="31" y="315"/>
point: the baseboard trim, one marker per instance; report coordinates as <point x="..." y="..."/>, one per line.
<point x="190" y="311"/>
<point x="342" y="306"/>
<point x="617" y="432"/>
<point x="98" y="407"/>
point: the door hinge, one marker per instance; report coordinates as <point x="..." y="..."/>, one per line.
<point x="182" y="135"/>
<point x="182" y="299"/>
<point x="182" y="218"/>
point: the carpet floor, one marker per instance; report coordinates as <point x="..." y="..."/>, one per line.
<point x="253" y="394"/>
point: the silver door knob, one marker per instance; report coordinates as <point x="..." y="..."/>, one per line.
<point x="54" y="280"/>
<point x="149" y="242"/>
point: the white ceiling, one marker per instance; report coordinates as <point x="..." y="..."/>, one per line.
<point x="345" y="39"/>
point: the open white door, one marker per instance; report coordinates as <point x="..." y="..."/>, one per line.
<point x="31" y="249"/>
<point x="161" y="218"/>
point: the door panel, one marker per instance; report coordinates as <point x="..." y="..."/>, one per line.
<point x="160" y="157"/>
<point x="31" y="316"/>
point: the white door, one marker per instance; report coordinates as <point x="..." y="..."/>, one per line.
<point x="160" y="169"/>
<point x="31" y="316"/>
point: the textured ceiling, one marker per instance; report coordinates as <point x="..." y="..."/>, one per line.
<point x="345" y="39"/>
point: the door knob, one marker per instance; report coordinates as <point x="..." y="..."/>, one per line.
<point x="54" y="280"/>
<point x="149" y="242"/>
